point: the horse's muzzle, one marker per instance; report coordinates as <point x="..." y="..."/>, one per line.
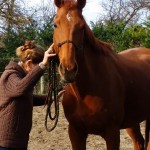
<point x="68" y="76"/>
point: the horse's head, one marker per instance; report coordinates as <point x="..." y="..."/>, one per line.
<point x="68" y="36"/>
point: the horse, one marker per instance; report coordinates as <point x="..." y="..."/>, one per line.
<point x="105" y="91"/>
<point x="140" y="53"/>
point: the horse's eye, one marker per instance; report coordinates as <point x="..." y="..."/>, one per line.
<point x="54" y="25"/>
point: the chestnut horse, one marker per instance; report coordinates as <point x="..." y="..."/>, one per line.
<point x="106" y="91"/>
<point x="137" y="53"/>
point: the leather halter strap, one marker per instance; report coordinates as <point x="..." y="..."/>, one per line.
<point x="69" y="41"/>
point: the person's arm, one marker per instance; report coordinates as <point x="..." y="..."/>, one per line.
<point x="39" y="100"/>
<point x="17" y="86"/>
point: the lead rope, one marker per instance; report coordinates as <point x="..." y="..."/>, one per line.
<point x="52" y="97"/>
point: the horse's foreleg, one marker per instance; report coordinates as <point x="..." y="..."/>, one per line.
<point x="78" y="138"/>
<point x="135" y="134"/>
<point x="112" y="138"/>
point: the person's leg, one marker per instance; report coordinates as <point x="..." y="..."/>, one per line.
<point x="3" y="148"/>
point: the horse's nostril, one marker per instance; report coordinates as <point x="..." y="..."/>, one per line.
<point x="68" y="69"/>
<point x="75" y="68"/>
<point x="68" y="75"/>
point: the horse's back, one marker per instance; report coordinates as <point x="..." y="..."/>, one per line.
<point x="139" y="53"/>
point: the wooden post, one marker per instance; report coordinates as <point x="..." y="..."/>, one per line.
<point x="42" y="85"/>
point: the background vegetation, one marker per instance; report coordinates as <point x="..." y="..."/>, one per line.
<point x="124" y="24"/>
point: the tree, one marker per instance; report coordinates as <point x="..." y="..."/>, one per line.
<point x="44" y="17"/>
<point x="127" y="11"/>
<point x="147" y="39"/>
<point x="121" y="25"/>
<point x="30" y="23"/>
<point x="11" y="15"/>
<point x="12" y="19"/>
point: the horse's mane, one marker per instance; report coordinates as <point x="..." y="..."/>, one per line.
<point x="98" y="45"/>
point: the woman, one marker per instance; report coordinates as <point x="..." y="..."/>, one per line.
<point x="16" y="95"/>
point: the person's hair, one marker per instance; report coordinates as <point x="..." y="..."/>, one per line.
<point x="30" y="51"/>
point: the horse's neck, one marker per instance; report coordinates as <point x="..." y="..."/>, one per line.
<point x="94" y="44"/>
<point x="94" y="55"/>
<point x="95" y="60"/>
<point x="93" y="69"/>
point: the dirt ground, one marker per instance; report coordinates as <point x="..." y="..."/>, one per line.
<point x="58" y="139"/>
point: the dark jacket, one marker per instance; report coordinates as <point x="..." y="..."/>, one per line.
<point x="16" y="104"/>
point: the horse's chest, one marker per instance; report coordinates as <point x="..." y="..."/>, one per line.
<point x="91" y="112"/>
<point x="91" y="105"/>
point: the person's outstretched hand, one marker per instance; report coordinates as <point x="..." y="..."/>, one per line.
<point x="48" y="54"/>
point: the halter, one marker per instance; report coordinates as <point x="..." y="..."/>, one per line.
<point x="69" y="41"/>
<point x="72" y="42"/>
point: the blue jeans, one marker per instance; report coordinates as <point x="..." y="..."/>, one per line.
<point x="3" y="148"/>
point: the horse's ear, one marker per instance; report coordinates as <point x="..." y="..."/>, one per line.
<point x="58" y="3"/>
<point x="81" y="3"/>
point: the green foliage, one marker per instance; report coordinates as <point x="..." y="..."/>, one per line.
<point x="122" y="37"/>
<point x="110" y="32"/>
<point x="147" y="38"/>
<point x="45" y="35"/>
<point x="11" y="41"/>
<point x="136" y="35"/>
<point x="3" y="63"/>
<point x="14" y="38"/>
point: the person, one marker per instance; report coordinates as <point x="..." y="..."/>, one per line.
<point x="16" y="95"/>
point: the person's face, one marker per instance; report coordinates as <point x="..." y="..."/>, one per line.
<point x="28" y="66"/>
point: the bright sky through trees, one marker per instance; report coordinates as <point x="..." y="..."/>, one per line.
<point x="91" y="11"/>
